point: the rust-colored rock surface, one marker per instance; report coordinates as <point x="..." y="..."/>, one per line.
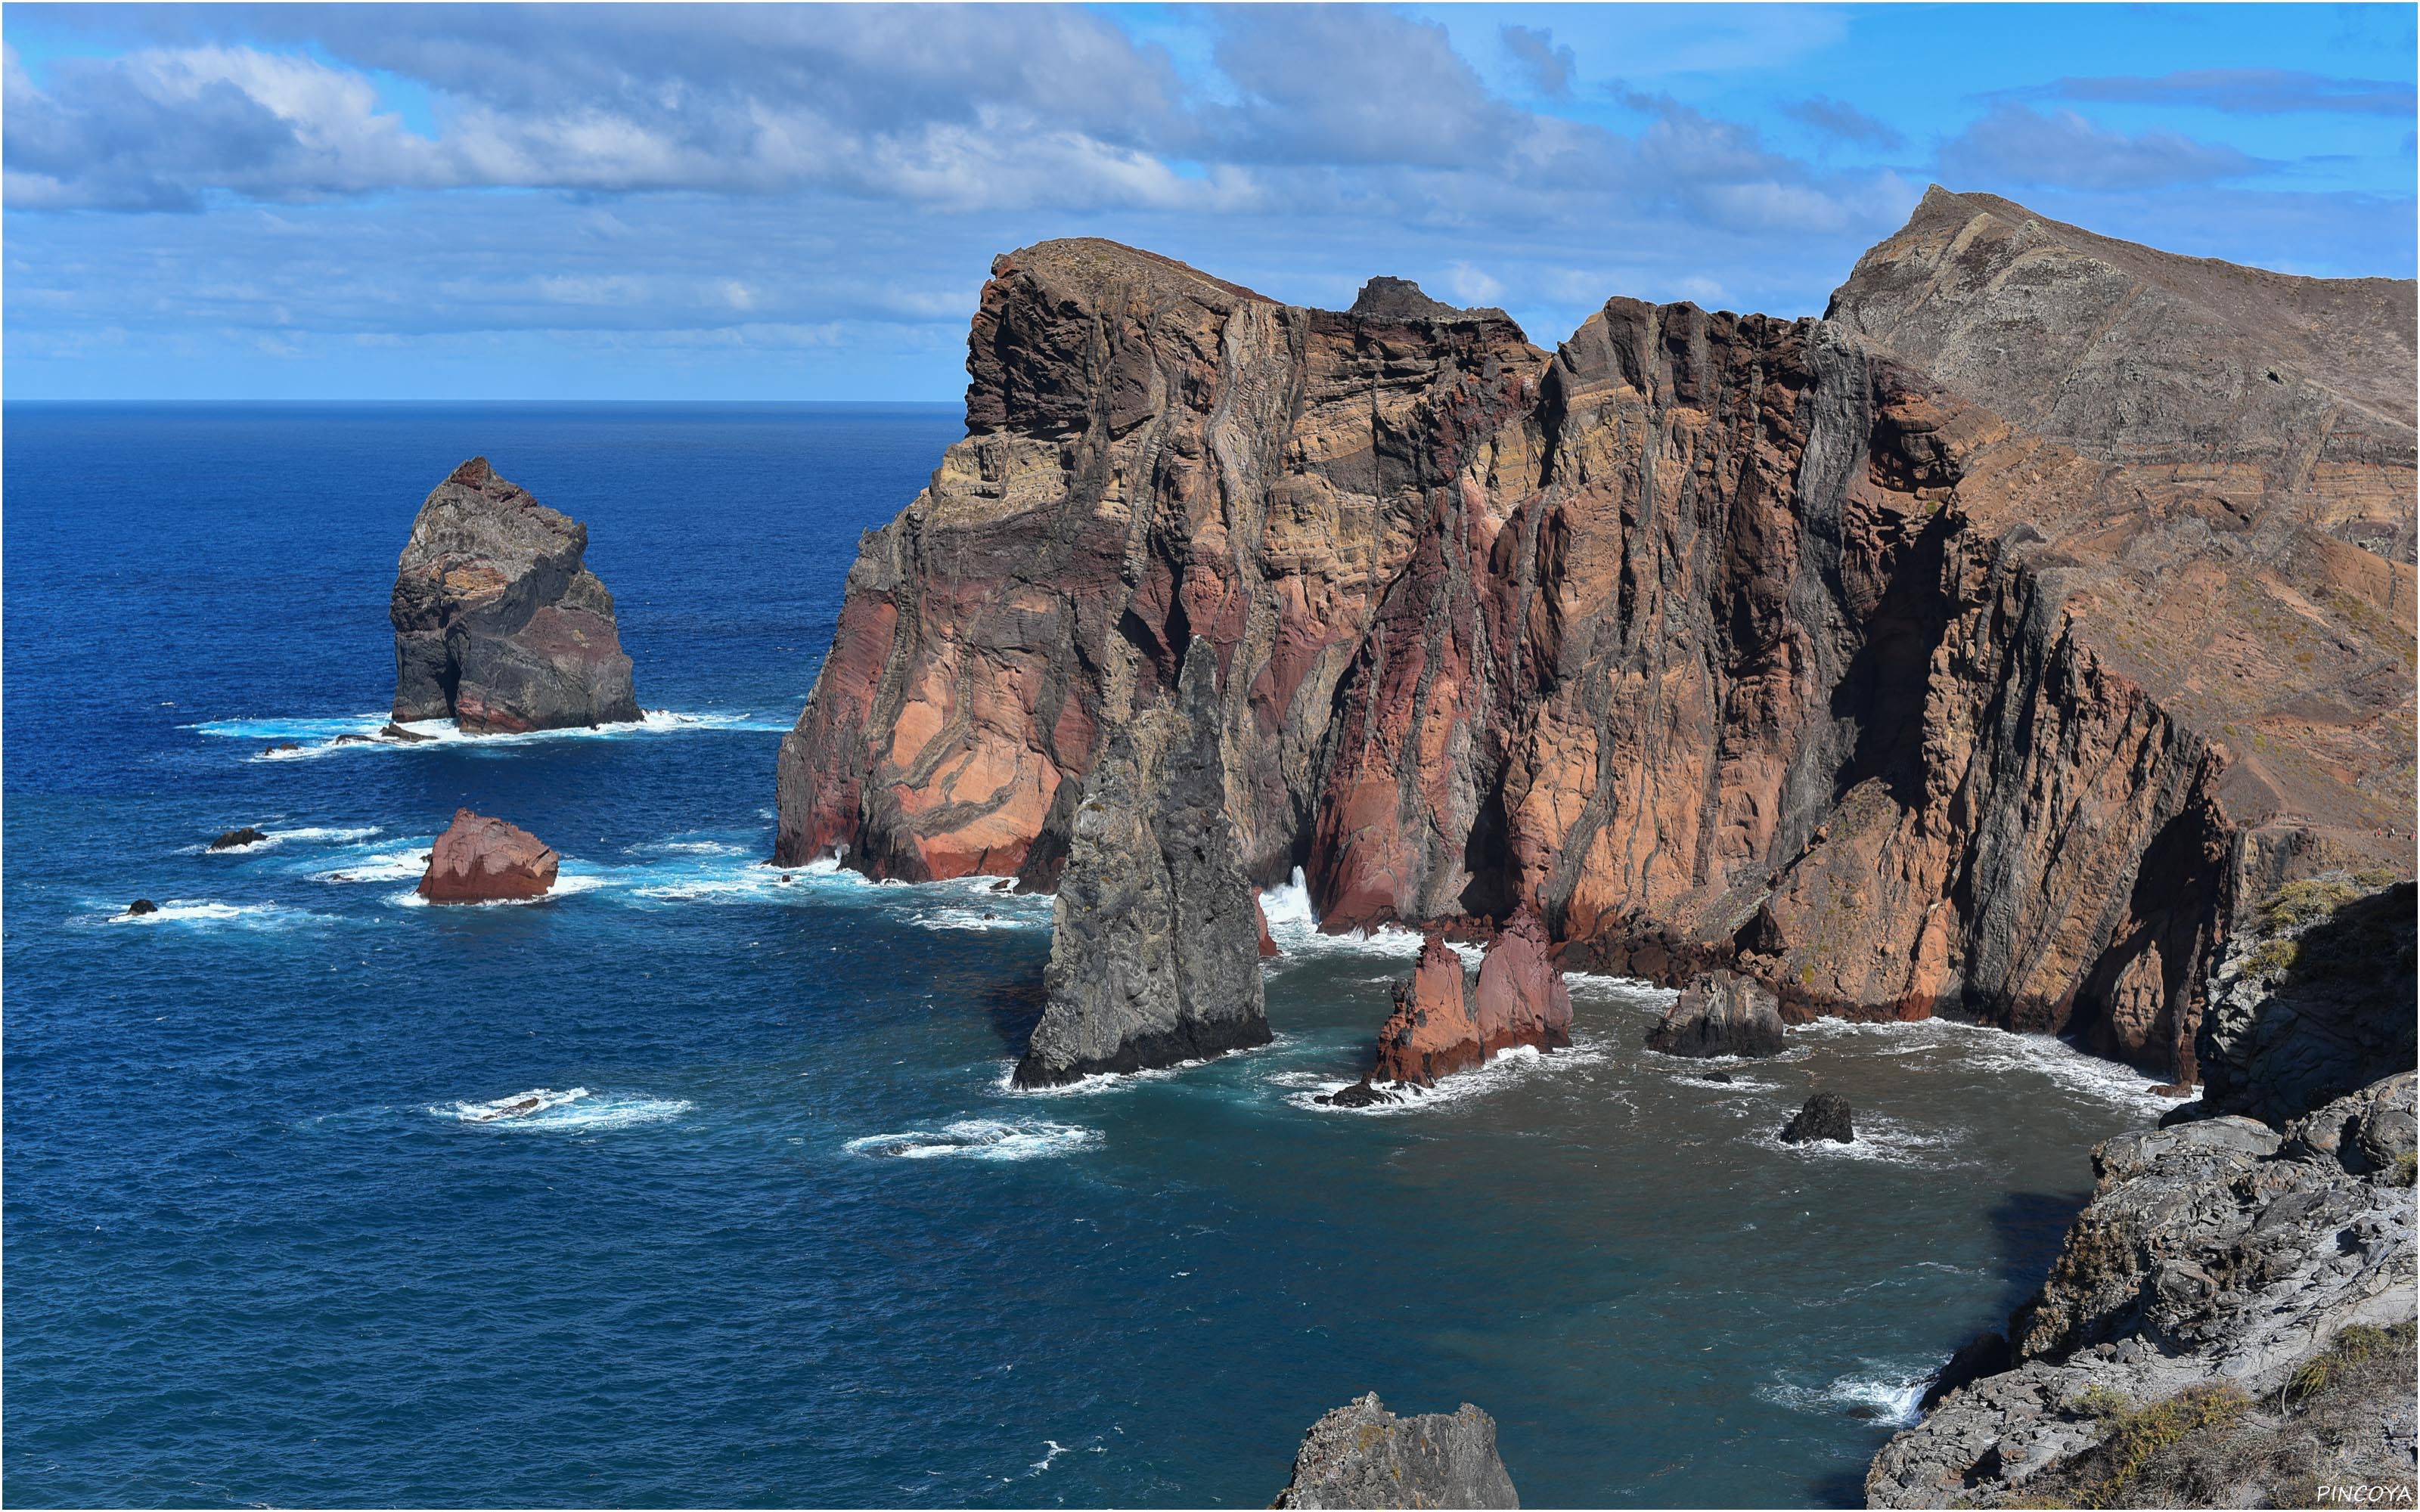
<point x="479" y="860"/>
<point x="1716" y="640"/>
<point x="1431" y="1032"/>
<point x="1521" y="998"/>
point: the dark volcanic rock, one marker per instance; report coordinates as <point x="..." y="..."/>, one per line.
<point x="1521" y="999"/>
<point x="1986" y="1355"/>
<point x="1400" y="299"/>
<point x="233" y="838"/>
<point x="1361" y="1094"/>
<point x="479" y="859"/>
<point x="142" y="905"/>
<point x="277" y="747"/>
<point x="392" y="731"/>
<point x="1431" y="1031"/>
<point x="1721" y="1013"/>
<point x="1363" y="1455"/>
<point x="1155" y="951"/>
<point x="497" y="624"/>
<point x="1824" y="1117"/>
<point x="1884" y="700"/>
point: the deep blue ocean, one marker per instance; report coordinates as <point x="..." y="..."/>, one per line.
<point x="782" y="1236"/>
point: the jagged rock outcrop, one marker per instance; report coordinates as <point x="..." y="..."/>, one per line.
<point x="1521" y="999"/>
<point x="1155" y="951"/>
<point x="1721" y="1014"/>
<point x="479" y="860"/>
<point x="2313" y="999"/>
<point x="1431" y="1031"/>
<point x="2224" y="1265"/>
<point x="1824" y="1115"/>
<point x="2294" y="390"/>
<point x="1718" y="641"/>
<point x="497" y="627"/>
<point x="2216" y="1261"/>
<point x="1361" y="1455"/>
<point x="238" y="838"/>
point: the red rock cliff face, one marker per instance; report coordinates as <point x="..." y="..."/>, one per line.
<point x="1714" y="640"/>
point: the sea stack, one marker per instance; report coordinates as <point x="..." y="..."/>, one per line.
<point x="498" y="625"/>
<point x="1521" y="998"/>
<point x="1154" y="949"/>
<point x="1361" y="1455"/>
<point x="1721" y="1014"/>
<point x="480" y="860"/>
<point x="1826" y="1116"/>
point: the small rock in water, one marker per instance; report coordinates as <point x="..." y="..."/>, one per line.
<point x="352" y="740"/>
<point x="142" y="905"/>
<point x="1824" y="1117"/>
<point x="395" y="731"/>
<point x="233" y="838"/>
<point x="1723" y="1076"/>
<point x="1359" y="1095"/>
<point x="276" y="745"/>
<point x="1003" y="884"/>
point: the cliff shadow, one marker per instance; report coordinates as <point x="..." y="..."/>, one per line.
<point x="1012" y="1009"/>
<point x="1883" y="687"/>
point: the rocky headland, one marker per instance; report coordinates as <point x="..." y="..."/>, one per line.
<point x="2230" y="1320"/>
<point x="498" y="625"/>
<point x="1156" y="935"/>
<point x="1832" y="653"/>
<point x="479" y="860"/>
<point x="1361" y="1455"/>
<point x="1721" y="1014"/>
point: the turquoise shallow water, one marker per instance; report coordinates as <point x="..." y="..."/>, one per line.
<point x="782" y="1235"/>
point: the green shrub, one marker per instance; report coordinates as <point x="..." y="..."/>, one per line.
<point x="2270" y="962"/>
<point x="2407" y="1169"/>
<point x="2306" y="901"/>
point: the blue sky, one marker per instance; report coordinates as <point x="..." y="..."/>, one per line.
<point x="802" y="203"/>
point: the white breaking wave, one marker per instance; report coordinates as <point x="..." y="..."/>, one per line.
<point x="203" y="911"/>
<point x="1886" y="1396"/>
<point x="1879" y="1138"/>
<point x="985" y="1139"/>
<point x="315" y="737"/>
<point x="1508" y="1068"/>
<point x="575" y="1111"/>
<point x="566" y="884"/>
<point x="1294" y="928"/>
<point x="1984" y="1047"/>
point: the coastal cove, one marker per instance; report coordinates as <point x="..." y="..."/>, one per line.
<point x="794" y="1239"/>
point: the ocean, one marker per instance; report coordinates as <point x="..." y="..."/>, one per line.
<point x="781" y="1234"/>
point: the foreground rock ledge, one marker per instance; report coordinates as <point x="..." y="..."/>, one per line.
<point x="497" y="627"/>
<point x="1156" y="937"/>
<point x="480" y="860"/>
<point x="1363" y="1455"/>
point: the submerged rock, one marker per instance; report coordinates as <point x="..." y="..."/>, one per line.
<point x="1431" y="1032"/>
<point x="1824" y="1117"/>
<point x="1521" y="998"/>
<point x="479" y="859"/>
<point x="1721" y="1014"/>
<point x="1361" y="1455"/>
<point x="498" y="625"/>
<point x="1155" y="946"/>
<point x="234" y="838"/>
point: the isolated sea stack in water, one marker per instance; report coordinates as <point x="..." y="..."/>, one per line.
<point x="1521" y="998"/>
<point x="1721" y="1014"/>
<point x="497" y="627"/>
<point x="481" y="860"/>
<point x="1439" y="1027"/>
<point x="1155" y="951"/>
<point x="1363" y="1455"/>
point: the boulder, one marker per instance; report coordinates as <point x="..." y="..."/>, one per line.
<point x="1363" y="1455"/>
<point x="1721" y="1014"/>
<point x="1521" y="998"/>
<point x="1431" y="1032"/>
<point x="1824" y="1117"/>
<point x="479" y="859"/>
<point x="235" y="837"/>
<point x="1155" y="946"/>
<point x="498" y="625"/>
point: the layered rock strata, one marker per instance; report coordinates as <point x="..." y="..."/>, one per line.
<point x="1716" y="640"/>
<point x="1721" y="1014"/>
<point x="498" y="625"/>
<point x="1155" y="951"/>
<point x="1361" y="1455"/>
<point x="479" y="859"/>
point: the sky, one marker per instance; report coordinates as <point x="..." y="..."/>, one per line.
<point x="776" y="202"/>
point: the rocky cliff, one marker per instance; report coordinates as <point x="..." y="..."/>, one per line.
<point x="497" y="627"/>
<point x="1717" y="640"/>
<point x="1156" y="937"/>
